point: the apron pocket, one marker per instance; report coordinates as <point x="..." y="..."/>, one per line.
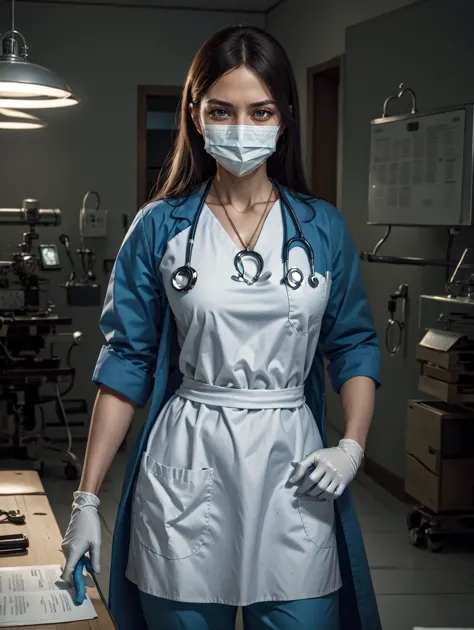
<point x="171" y="508"/>
<point x="318" y="520"/>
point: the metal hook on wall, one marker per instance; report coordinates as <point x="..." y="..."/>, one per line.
<point x="89" y="194"/>
<point x="401" y="93"/>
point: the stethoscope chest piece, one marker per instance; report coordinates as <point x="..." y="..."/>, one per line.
<point x="294" y="278"/>
<point x="184" y="278"/>
<point x="239" y="266"/>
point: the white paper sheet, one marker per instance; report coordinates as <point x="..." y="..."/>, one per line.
<point x="36" y="595"/>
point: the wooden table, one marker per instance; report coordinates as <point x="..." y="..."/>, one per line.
<point x="45" y="539"/>
<point x="13" y="482"/>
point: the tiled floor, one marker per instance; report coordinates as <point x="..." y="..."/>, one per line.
<point x="414" y="588"/>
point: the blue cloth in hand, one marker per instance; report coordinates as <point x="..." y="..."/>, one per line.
<point x="79" y="582"/>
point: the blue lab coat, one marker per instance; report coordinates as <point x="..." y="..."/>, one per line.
<point x="141" y="358"/>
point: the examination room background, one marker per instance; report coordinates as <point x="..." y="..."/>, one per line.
<point x="105" y="52"/>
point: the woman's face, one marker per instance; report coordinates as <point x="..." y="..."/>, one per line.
<point x="237" y="98"/>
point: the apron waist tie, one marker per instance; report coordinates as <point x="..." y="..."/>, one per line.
<point x="197" y="391"/>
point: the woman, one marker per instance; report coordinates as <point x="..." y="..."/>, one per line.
<point x="231" y="496"/>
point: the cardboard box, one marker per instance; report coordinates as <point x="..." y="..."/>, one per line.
<point x="448" y="376"/>
<point x="451" y="491"/>
<point x="454" y="394"/>
<point x="446" y="349"/>
<point x="436" y="431"/>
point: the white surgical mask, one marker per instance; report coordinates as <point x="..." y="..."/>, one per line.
<point x="240" y="149"/>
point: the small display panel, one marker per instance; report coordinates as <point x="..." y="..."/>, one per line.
<point x="49" y="257"/>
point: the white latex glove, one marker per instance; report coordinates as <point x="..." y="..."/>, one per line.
<point x="83" y="534"/>
<point x="334" y="469"/>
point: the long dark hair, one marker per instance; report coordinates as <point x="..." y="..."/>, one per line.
<point x="188" y="164"/>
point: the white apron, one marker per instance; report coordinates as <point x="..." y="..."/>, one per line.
<point x="214" y="519"/>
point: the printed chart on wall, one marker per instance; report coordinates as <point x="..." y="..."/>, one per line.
<point x="416" y="170"/>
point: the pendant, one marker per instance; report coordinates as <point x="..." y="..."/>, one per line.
<point x="239" y="266"/>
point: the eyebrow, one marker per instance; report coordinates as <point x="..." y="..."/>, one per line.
<point x="216" y="101"/>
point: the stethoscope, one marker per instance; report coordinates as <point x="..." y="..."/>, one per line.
<point x="184" y="278"/>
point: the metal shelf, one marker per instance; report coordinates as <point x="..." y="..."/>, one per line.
<point x="463" y="303"/>
<point x="406" y="260"/>
<point x="460" y="301"/>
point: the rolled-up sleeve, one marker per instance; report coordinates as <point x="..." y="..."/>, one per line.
<point x="348" y="338"/>
<point x="130" y="320"/>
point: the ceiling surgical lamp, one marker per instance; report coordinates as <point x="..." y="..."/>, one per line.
<point x="38" y="103"/>
<point x="11" y="119"/>
<point x="24" y="84"/>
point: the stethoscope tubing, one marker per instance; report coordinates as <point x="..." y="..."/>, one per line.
<point x="190" y="274"/>
<point x="190" y="244"/>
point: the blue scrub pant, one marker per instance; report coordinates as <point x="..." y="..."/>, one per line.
<point x="321" y="613"/>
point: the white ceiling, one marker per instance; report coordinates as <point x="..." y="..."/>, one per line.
<point x="255" y="6"/>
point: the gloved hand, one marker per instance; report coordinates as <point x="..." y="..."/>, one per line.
<point x="334" y="469"/>
<point x="83" y="535"/>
